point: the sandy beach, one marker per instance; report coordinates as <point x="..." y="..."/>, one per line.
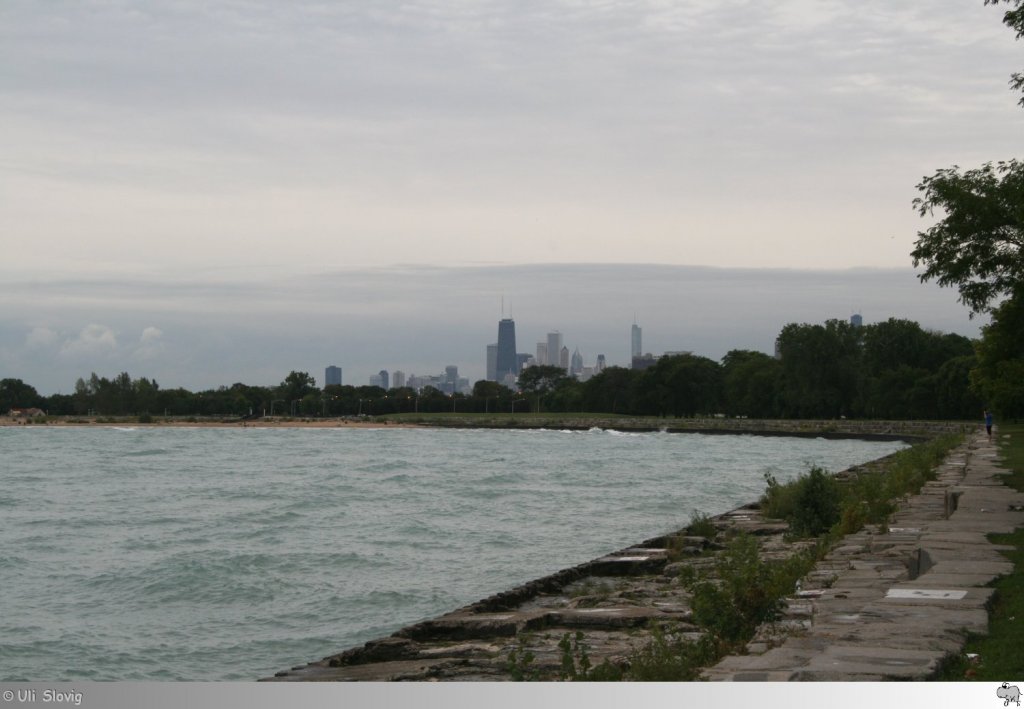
<point x="182" y="423"/>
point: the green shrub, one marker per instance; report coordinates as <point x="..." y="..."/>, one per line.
<point x="867" y="501"/>
<point x="778" y="500"/>
<point x="817" y="504"/>
<point x="701" y="525"/>
<point x="576" y="666"/>
<point x="810" y="504"/>
<point x="675" y="660"/>
<point x="520" y="662"/>
<point x="743" y="590"/>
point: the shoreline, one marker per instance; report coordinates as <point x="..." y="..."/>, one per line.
<point x="865" y="429"/>
<point x="614" y="599"/>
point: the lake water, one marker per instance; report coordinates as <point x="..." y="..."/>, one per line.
<point x="229" y="554"/>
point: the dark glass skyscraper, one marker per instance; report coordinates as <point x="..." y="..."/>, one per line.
<point x="507" y="363"/>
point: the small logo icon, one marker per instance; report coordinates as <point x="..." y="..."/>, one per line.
<point x="1008" y="694"/>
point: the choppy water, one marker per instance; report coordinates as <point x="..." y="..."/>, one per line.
<point x="229" y="554"/>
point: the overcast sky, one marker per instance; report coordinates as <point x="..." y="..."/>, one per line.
<point x="213" y="191"/>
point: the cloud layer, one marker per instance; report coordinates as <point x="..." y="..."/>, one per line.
<point x="265" y="135"/>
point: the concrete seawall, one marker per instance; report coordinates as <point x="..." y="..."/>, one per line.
<point x="883" y="604"/>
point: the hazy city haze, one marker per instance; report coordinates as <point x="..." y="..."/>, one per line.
<point x="420" y="319"/>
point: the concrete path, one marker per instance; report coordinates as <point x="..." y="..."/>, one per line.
<point x="893" y="605"/>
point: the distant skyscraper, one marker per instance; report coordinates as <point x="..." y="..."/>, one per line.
<point x="492" y="362"/>
<point x="644" y="361"/>
<point x="384" y="379"/>
<point x="398" y="379"/>
<point x="506" y="357"/>
<point x="542" y="354"/>
<point x="577" y="363"/>
<point x="856" y="320"/>
<point x="637" y="346"/>
<point x="554" y="348"/>
<point x="563" y="358"/>
<point x="332" y="376"/>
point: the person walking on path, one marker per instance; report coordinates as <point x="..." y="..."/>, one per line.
<point x="988" y="423"/>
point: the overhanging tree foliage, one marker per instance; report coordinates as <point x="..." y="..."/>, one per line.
<point x="976" y="246"/>
<point x="1014" y="19"/>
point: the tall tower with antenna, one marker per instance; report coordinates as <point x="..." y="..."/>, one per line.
<point x="507" y="363"/>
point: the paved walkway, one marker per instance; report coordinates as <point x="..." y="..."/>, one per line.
<point x="897" y="603"/>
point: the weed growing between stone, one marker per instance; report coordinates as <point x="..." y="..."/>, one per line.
<point x="701" y="525"/>
<point x="743" y="590"/>
<point x="811" y="503"/>
<point x="576" y="665"/>
<point x="520" y="662"/>
<point x="672" y="658"/>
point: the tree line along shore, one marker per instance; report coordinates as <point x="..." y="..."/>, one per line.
<point x="890" y="370"/>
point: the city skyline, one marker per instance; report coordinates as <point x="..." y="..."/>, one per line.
<point x="50" y="340"/>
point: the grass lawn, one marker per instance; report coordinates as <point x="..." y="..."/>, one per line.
<point x="1001" y="652"/>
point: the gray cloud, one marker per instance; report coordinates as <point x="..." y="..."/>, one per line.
<point x="354" y="134"/>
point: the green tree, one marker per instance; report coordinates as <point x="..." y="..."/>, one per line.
<point x="433" y="400"/>
<point x="976" y="246"/>
<point x="684" y="385"/>
<point x="296" y="386"/>
<point x="1014" y="19"/>
<point x="539" y="380"/>
<point x="901" y="365"/>
<point x="821" y="369"/>
<point x="486" y="388"/>
<point x="611" y="391"/>
<point x="955" y="398"/>
<point x="16" y="394"/>
<point x="145" y="395"/>
<point x="750" y="383"/>
<point x="1000" y="369"/>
